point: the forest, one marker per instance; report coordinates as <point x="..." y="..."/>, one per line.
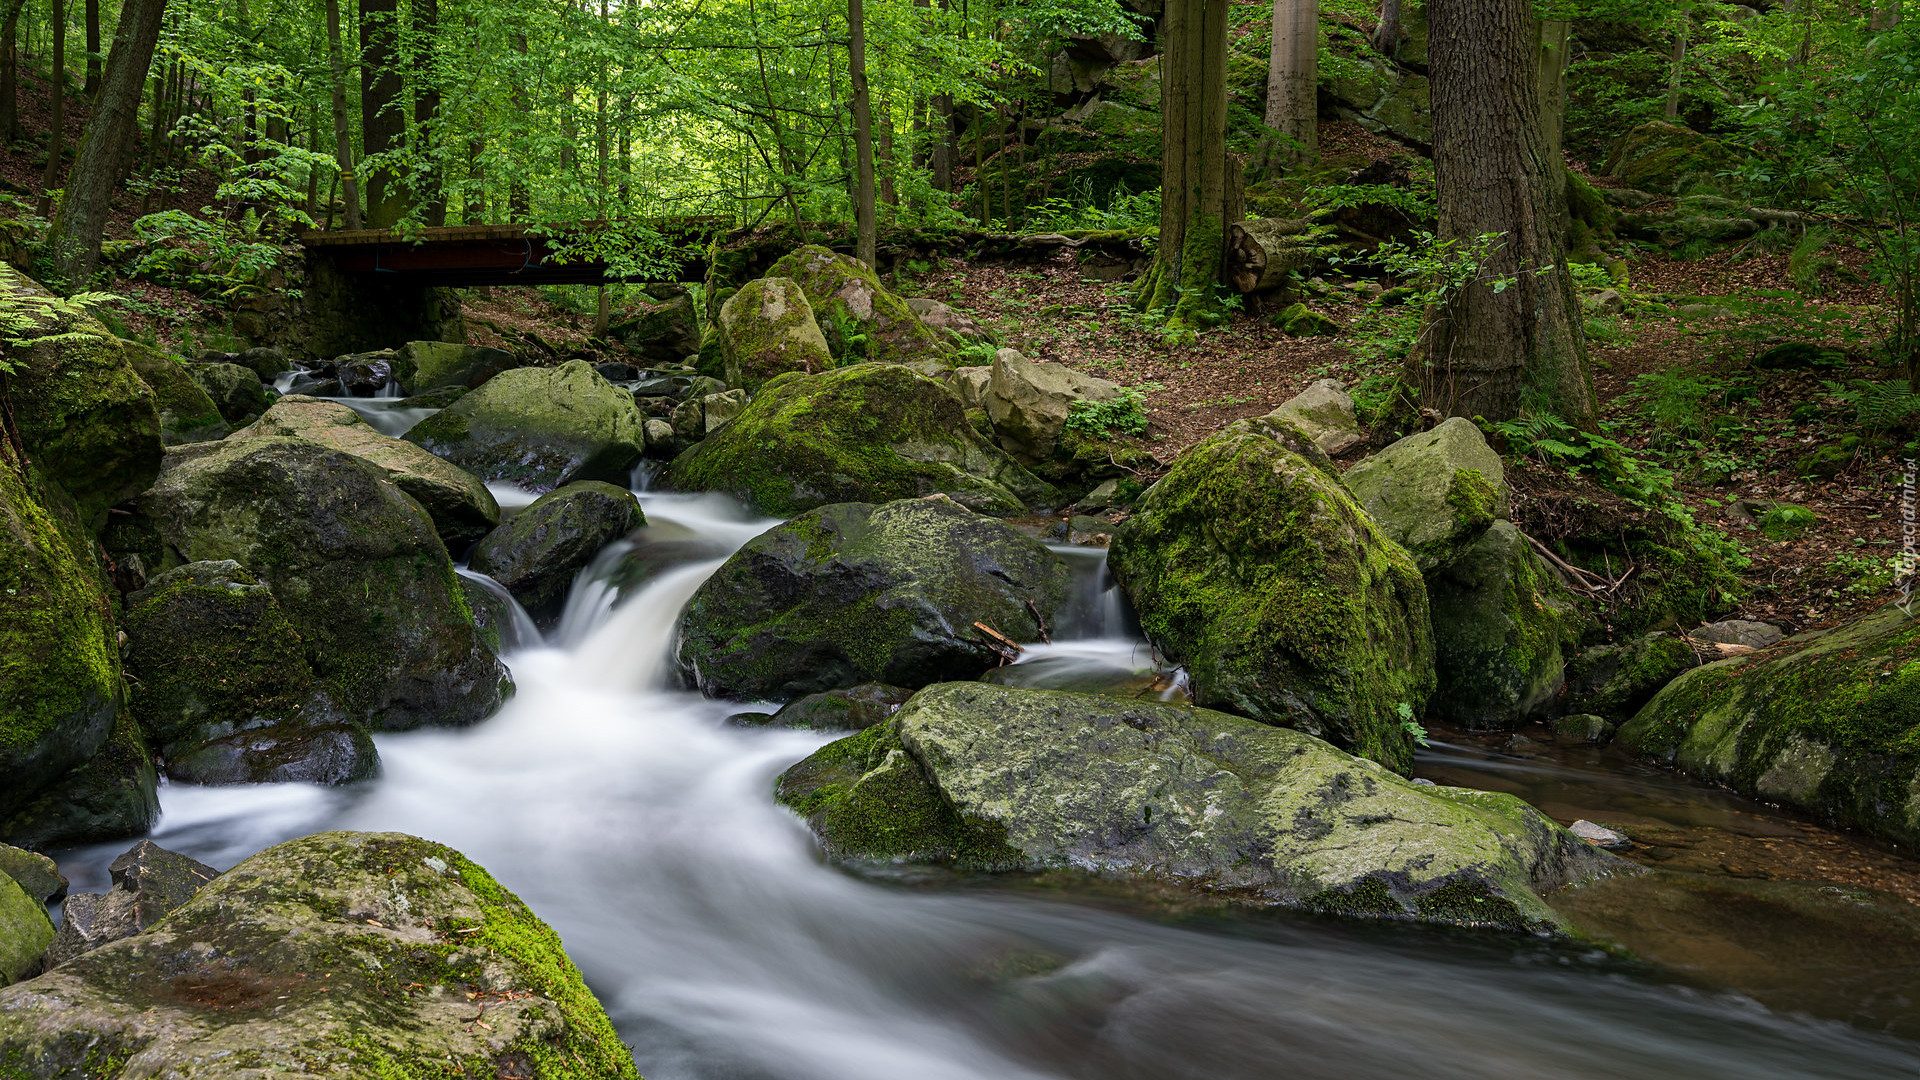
<point x="1072" y="539"/>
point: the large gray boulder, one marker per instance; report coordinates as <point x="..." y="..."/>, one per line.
<point x="1324" y="411"/>
<point x="856" y="593"/>
<point x="1615" y="680"/>
<point x="1503" y="628"/>
<point x="993" y="778"/>
<point x="866" y="433"/>
<point x="540" y="428"/>
<point x="462" y="508"/>
<point x="1250" y="564"/>
<point x="537" y="553"/>
<point x="766" y="330"/>
<point x="227" y="695"/>
<point x="665" y="326"/>
<point x="110" y="796"/>
<point x="341" y="954"/>
<point x="1029" y="403"/>
<point x="354" y="561"/>
<point x="1433" y="493"/>
<point x="149" y="883"/>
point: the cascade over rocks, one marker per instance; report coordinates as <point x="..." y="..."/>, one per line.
<point x="539" y="550"/>
<point x="1824" y="722"/>
<point x="149" y="883"/>
<point x="539" y="428"/>
<point x="1434" y="493"/>
<point x="1287" y="603"/>
<point x="187" y="414"/>
<point x="341" y="954"/>
<point x="991" y="778"/>
<point x="860" y="318"/>
<point x="767" y="329"/>
<point x="855" y="593"/>
<point x="93" y="426"/>
<point x="866" y="433"/>
<point x="353" y="560"/>
<point x="462" y="508"/>
<point x="226" y="693"/>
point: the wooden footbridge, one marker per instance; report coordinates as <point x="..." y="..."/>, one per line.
<point x="460" y="256"/>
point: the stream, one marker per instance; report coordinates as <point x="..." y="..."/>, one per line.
<point x="638" y="823"/>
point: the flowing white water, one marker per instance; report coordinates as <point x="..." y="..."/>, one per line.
<point x="643" y="828"/>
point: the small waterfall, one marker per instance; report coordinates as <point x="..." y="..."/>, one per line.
<point x="520" y="634"/>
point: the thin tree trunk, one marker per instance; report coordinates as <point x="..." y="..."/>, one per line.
<point x="884" y="138"/>
<point x="342" y="130"/>
<point x="1499" y="353"/>
<point x="476" y="209"/>
<point x="1293" y="79"/>
<point x="1193" y="162"/>
<point x="519" y="195"/>
<point x="1886" y="16"/>
<point x="1387" y="36"/>
<point x="865" y="232"/>
<point x="10" y="72"/>
<point x="93" y="50"/>
<point x="57" y="128"/>
<point x="1679" y="58"/>
<point x="74" y="241"/>
<point x="383" y="121"/>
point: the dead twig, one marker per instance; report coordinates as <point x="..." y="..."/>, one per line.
<point x="1045" y="637"/>
<point x="1007" y="649"/>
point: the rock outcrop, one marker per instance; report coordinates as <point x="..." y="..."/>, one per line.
<point x="990" y="778"/>
<point x="1029" y="403"/>
<point x="855" y="593"/>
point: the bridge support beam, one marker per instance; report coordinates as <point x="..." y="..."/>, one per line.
<point x="348" y="312"/>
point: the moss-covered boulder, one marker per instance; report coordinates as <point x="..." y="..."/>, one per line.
<point x="1828" y="722"/>
<point x="540" y="428"/>
<point x="90" y="423"/>
<point x="866" y="433"/>
<point x="1615" y="680"/>
<point x="36" y="874"/>
<point x="354" y="561"/>
<point x="462" y="508"/>
<point x="1669" y="159"/>
<point x="1324" y="412"/>
<point x="341" y="954"/>
<point x="187" y="414"/>
<point x="767" y="329"/>
<point x="427" y="365"/>
<point x="855" y="593"/>
<point x="1434" y="493"/>
<point x="1503" y="628"/>
<point x="993" y="778"/>
<point x="860" y="318"/>
<point x="110" y="796"/>
<point x="856" y="708"/>
<point x="60" y="682"/>
<point x="537" y="553"/>
<point x="25" y="932"/>
<point x="226" y="692"/>
<point x="665" y="325"/>
<point x="1286" y="602"/>
<point x="236" y="391"/>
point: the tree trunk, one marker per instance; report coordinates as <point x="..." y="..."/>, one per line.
<point x="1498" y="354"/>
<point x="1293" y="77"/>
<point x="426" y="109"/>
<point x="1555" y="37"/>
<point x="57" y="127"/>
<point x="519" y="195"/>
<point x="940" y="155"/>
<point x="93" y="50"/>
<point x="1386" y="36"/>
<point x="883" y="139"/>
<point x="867" y="236"/>
<point x="1261" y="254"/>
<point x="1679" y="58"/>
<point x="73" y="244"/>
<point x="1193" y="165"/>
<point x="383" y="120"/>
<point x="342" y="130"/>
<point x="10" y="72"/>
<point x="1886" y="16"/>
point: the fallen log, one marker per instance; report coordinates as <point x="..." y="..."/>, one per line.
<point x="1262" y="253"/>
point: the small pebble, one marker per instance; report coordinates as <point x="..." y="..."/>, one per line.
<point x="1599" y="835"/>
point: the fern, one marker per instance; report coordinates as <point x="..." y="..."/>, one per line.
<point x="1877" y="406"/>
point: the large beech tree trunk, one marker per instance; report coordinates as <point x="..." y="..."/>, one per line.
<point x="426" y="107"/>
<point x="1487" y="352"/>
<point x="383" y="118"/>
<point x="1195" y="192"/>
<point x="1293" y="77"/>
<point x="73" y="244"/>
